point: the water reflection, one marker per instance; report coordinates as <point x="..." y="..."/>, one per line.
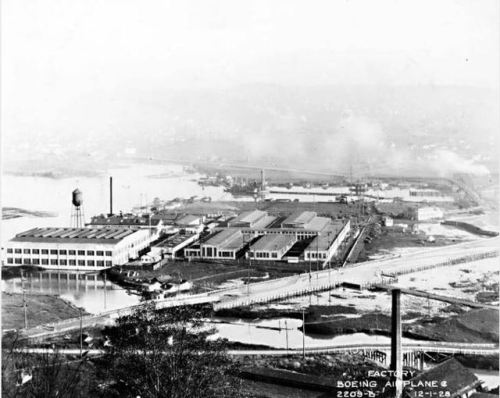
<point x="87" y="290"/>
<point x="280" y="332"/>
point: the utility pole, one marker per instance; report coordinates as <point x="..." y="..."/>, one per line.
<point x="81" y="334"/>
<point x="24" y="302"/>
<point x="310" y="259"/>
<point x="303" y="333"/>
<point x="105" y="290"/>
<point x="286" y="334"/>
<point x="317" y="253"/>
<point x="248" y="274"/>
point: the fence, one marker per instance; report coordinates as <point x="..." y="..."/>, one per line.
<point x="276" y="297"/>
<point x="447" y="263"/>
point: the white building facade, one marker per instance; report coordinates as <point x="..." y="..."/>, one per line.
<point x="76" y="248"/>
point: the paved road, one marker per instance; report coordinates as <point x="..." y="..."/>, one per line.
<point x="360" y="274"/>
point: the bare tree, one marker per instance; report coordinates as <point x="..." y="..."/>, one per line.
<point x="167" y="353"/>
<point x="42" y="375"/>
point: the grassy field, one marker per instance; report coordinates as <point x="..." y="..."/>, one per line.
<point x="40" y="308"/>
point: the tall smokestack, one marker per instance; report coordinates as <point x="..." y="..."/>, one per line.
<point x="396" y="354"/>
<point x="262" y="180"/>
<point x="110" y="196"/>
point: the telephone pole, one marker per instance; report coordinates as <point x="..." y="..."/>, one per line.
<point x="286" y="333"/>
<point x="105" y="290"/>
<point x="81" y="334"/>
<point x="24" y="302"/>
<point x="303" y="333"/>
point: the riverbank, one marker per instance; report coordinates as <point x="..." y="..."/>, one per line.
<point x="41" y="309"/>
<point x="474" y="326"/>
<point x="205" y="275"/>
<point x="16" y="212"/>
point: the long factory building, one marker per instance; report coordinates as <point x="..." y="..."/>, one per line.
<point x="263" y="237"/>
<point x="253" y="234"/>
<point x="76" y="248"/>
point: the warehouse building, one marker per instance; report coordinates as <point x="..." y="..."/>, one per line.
<point x="76" y="248"/>
<point x="190" y="224"/>
<point x="302" y="225"/>
<point x="128" y="220"/>
<point x="170" y="247"/>
<point x="271" y="247"/>
<point x="227" y="244"/>
<point x="429" y="213"/>
<point x="249" y="219"/>
<point x="299" y="219"/>
<point x="326" y="244"/>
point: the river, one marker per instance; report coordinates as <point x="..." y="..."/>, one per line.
<point x="133" y="185"/>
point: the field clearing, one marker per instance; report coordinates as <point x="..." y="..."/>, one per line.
<point x="40" y="308"/>
<point x="472" y="278"/>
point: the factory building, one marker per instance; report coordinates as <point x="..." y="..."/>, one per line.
<point x="248" y="219"/>
<point x="275" y="237"/>
<point x="128" y="221"/>
<point x="171" y="246"/>
<point x="193" y="251"/>
<point x="271" y="247"/>
<point x="227" y="244"/>
<point x="302" y="225"/>
<point x="190" y="224"/>
<point x="300" y="219"/>
<point x="76" y="248"/>
<point x="326" y="244"/>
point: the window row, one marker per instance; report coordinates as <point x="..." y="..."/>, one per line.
<point x="264" y="255"/>
<point x="317" y="255"/>
<point x="107" y="253"/>
<point x="44" y="261"/>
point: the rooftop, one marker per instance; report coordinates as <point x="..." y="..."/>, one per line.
<point x="318" y="224"/>
<point x="189" y="219"/>
<point x="174" y="241"/>
<point x="264" y="222"/>
<point x="273" y="242"/>
<point x="226" y="239"/>
<point x="124" y="219"/>
<point x="74" y="235"/>
<point x="300" y="217"/>
<point x="250" y="216"/>
<point x="327" y="235"/>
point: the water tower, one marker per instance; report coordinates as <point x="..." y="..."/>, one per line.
<point x="77" y="216"/>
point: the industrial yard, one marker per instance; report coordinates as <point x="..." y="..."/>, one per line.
<point x="200" y="248"/>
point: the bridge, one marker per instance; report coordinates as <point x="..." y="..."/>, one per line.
<point x="362" y="274"/>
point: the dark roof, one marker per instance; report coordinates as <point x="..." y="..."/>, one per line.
<point x="126" y="220"/>
<point x="457" y="376"/>
<point x="174" y="241"/>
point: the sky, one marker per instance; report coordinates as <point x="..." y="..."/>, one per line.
<point x="57" y="51"/>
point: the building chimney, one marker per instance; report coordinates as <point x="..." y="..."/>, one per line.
<point x="110" y="196"/>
